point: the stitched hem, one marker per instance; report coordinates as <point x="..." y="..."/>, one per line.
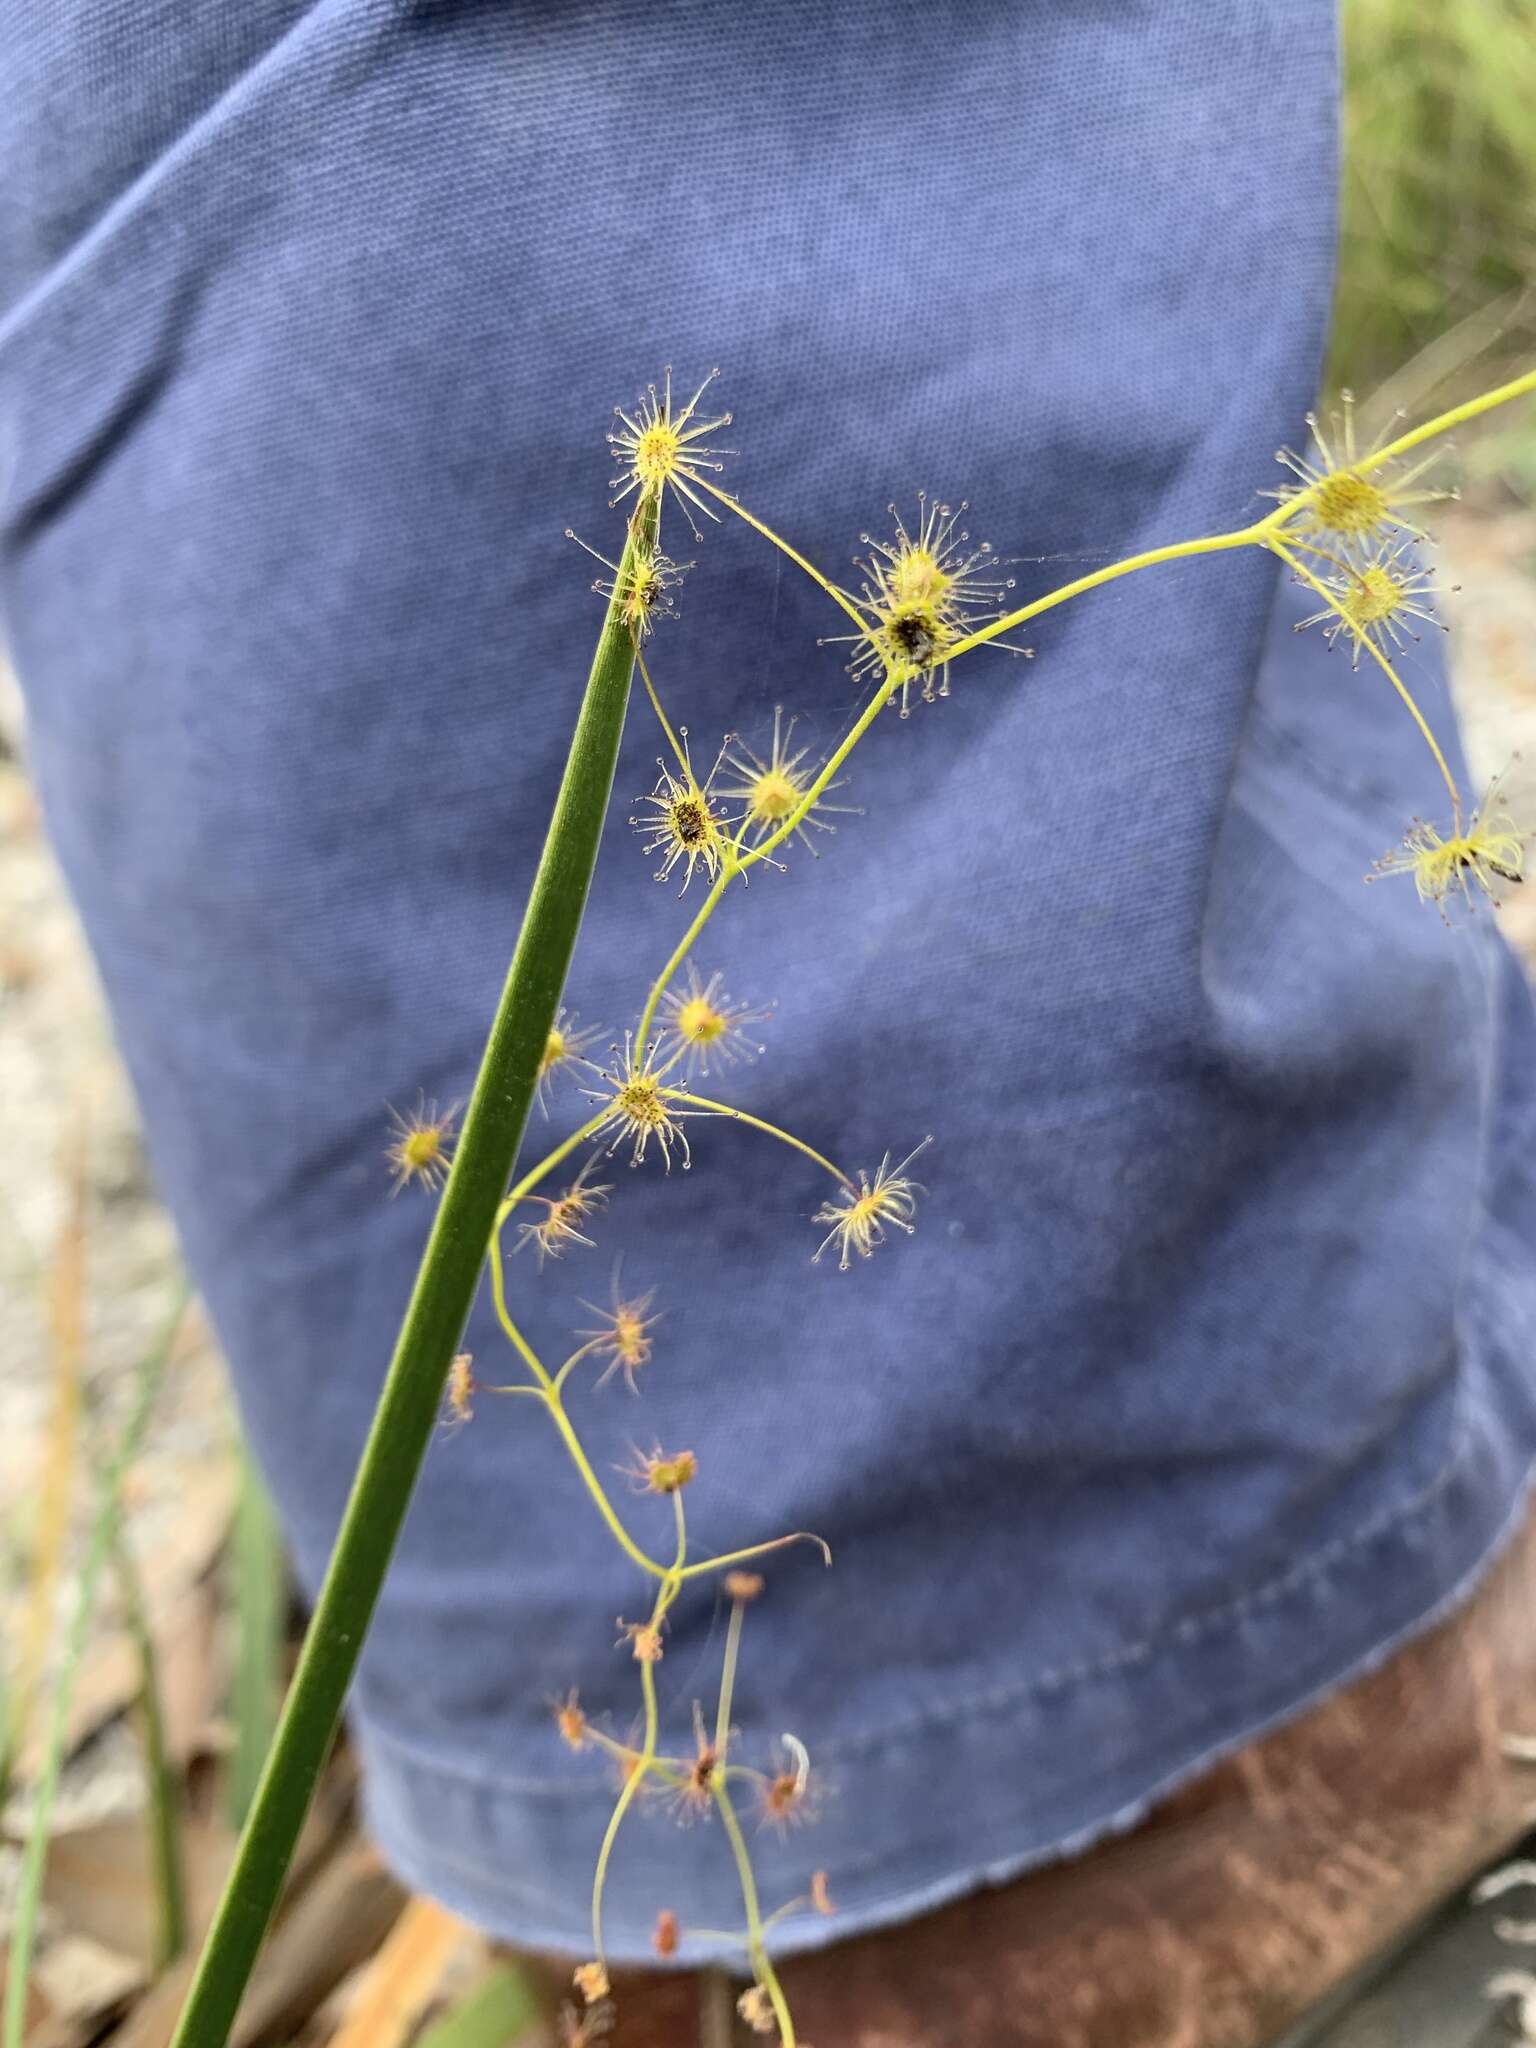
<point x="938" y="1804"/>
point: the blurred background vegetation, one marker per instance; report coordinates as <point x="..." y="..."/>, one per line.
<point x="1437" y="246"/>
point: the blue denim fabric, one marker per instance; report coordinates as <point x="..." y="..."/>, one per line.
<point x="1208" y="1373"/>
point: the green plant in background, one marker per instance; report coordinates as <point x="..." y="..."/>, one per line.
<point x="926" y="601"/>
<point x="104" y="1546"/>
<point x="260" y="1588"/>
<point x="1438" y="223"/>
<point x="162" y="1791"/>
<point x="498" y="2012"/>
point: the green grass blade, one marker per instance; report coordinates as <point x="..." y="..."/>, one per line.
<point x="162" y="1787"/>
<point x="498" y="2012"/>
<point x="98" y="1552"/>
<point x="260" y="1587"/>
<point x="434" y="1321"/>
<point x="160" y="1778"/>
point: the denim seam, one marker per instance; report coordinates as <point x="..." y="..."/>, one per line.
<point x="1193" y="1629"/>
<point x="889" y="1905"/>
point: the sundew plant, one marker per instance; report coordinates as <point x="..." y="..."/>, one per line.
<point x="1346" y="524"/>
